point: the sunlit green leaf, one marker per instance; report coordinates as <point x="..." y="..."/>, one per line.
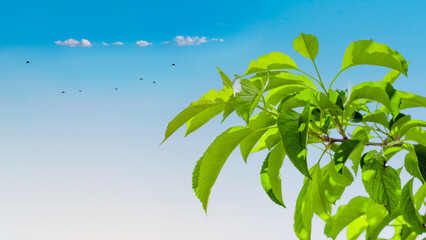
<point x="343" y="152"/>
<point x="276" y="95"/>
<point x="226" y="81"/>
<point x="208" y="168"/>
<point x="417" y="135"/>
<point x="294" y="130"/>
<point x="356" y="228"/>
<point x="344" y="178"/>
<point x="303" y="213"/>
<point x="372" y="53"/>
<point x="324" y="103"/>
<point x="211" y="99"/>
<point x="320" y="204"/>
<point x="377" y="117"/>
<point x="270" y="174"/>
<point x="419" y="198"/>
<point x="307" y="45"/>
<point x="271" y="61"/>
<point x="410" y="100"/>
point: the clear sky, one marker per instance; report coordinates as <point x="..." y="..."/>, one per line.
<point x="88" y="165"/>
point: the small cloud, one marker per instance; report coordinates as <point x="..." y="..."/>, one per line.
<point x="188" y="41"/>
<point x="105" y="44"/>
<point x="143" y="43"/>
<point x="74" y="43"/>
<point x="117" y="43"/>
<point x="165" y="43"/>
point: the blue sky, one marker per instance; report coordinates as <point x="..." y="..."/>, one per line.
<point x="88" y="165"/>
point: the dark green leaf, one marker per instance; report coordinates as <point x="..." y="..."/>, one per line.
<point x="294" y="130"/>
<point x="343" y="152"/>
<point x="411" y="216"/>
<point x="247" y="99"/>
<point x="381" y="182"/>
<point x="357" y="117"/>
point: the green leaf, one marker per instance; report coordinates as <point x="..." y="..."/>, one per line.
<point x="391" y="76"/>
<point x="356" y="228"/>
<point x="346" y="214"/>
<point x="307" y="45"/>
<point x="410" y="124"/>
<point x="343" y="152"/>
<point x="324" y="103"/>
<point x="281" y="79"/>
<point x="265" y="141"/>
<point x="203" y="117"/>
<point x="419" y="198"/>
<point x="372" y="53"/>
<point x="211" y="99"/>
<point x="344" y="178"/>
<point x="377" y="217"/>
<point x="294" y="130"/>
<point x="378" y="116"/>
<point x="271" y="61"/>
<point x="411" y="100"/>
<point x="270" y="174"/>
<point x="260" y="123"/>
<point x="276" y="95"/>
<point x="381" y="182"/>
<point x="356" y="157"/>
<point x="229" y="108"/>
<point x="298" y="100"/>
<point x="417" y="135"/>
<point x="226" y="81"/>
<point x="411" y="216"/>
<point x="320" y="204"/>
<point x="377" y="91"/>
<point x="303" y="213"/>
<point x="247" y="99"/>
<point x="210" y="164"/>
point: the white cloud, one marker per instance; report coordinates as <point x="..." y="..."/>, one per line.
<point x="165" y="43"/>
<point x="118" y="43"/>
<point x="105" y="44"/>
<point x="143" y="43"/>
<point x="188" y="41"/>
<point x="74" y="43"/>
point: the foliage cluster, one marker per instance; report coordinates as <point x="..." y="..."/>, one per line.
<point x="361" y="130"/>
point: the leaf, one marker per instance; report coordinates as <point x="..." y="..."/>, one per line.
<point x="298" y="100"/>
<point x="410" y="124"/>
<point x="377" y="217"/>
<point x="324" y="103"/>
<point x="211" y="99"/>
<point x="417" y="135"/>
<point x="332" y="190"/>
<point x="419" y="198"/>
<point x="260" y="123"/>
<point x="247" y="99"/>
<point x="411" y="216"/>
<point x="356" y="228"/>
<point x="210" y="164"/>
<point x="229" y="108"/>
<point x="344" y="178"/>
<point x="294" y="130"/>
<point x="372" y="53"/>
<point x="377" y="91"/>
<point x="411" y="100"/>
<point x="271" y="61"/>
<point x="346" y="214"/>
<point x="378" y="116"/>
<point x="307" y="45"/>
<point x="282" y="79"/>
<point x="320" y="204"/>
<point x="391" y="76"/>
<point x="226" y="81"/>
<point x="303" y="213"/>
<point x="381" y="182"/>
<point x="203" y="117"/>
<point x="276" y="95"/>
<point x="270" y="174"/>
<point x="356" y="157"/>
<point x="263" y="143"/>
<point x="343" y="152"/>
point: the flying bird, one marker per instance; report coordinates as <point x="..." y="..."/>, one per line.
<point x="173" y="65"/>
<point x="116" y="89"/>
<point x="80" y="91"/>
<point x="27" y="62"/>
<point x="140" y="78"/>
<point x="63" y="92"/>
<point x="154" y="82"/>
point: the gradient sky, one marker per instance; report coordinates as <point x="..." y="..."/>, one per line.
<point x="87" y="166"/>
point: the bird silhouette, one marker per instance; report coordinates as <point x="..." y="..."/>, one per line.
<point x="173" y="65"/>
<point x="80" y="91"/>
<point x="140" y="78"/>
<point x="154" y="82"/>
<point x="116" y="89"/>
<point x="27" y="62"/>
<point x="63" y="92"/>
